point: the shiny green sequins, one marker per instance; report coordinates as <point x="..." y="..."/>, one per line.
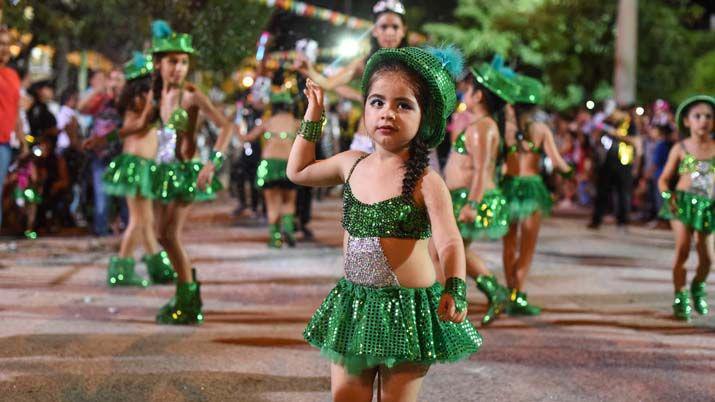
<point x="130" y="175"/>
<point x="457" y="288"/>
<point x="271" y="170"/>
<point x="689" y="164"/>
<point x="393" y="217"/>
<point x="492" y="221"/>
<point x="360" y="327"/>
<point x="694" y="210"/>
<point x="460" y="144"/>
<point x="178" y="181"/>
<point x="526" y="195"/>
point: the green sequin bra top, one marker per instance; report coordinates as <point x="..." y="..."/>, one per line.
<point x="394" y="217"/>
<point x="701" y="172"/>
<point x="460" y="144"/>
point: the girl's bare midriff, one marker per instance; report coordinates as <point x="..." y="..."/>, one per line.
<point x="143" y="145"/>
<point x="277" y="148"/>
<point x="409" y="260"/>
<point x="523" y="163"/>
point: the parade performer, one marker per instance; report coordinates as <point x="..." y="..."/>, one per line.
<point x="389" y="315"/>
<point x="471" y="173"/>
<point x="24" y="177"/>
<point x="388" y="32"/>
<point x="690" y="208"/>
<point x="527" y="197"/>
<point x="131" y="175"/>
<point x="278" y="133"/>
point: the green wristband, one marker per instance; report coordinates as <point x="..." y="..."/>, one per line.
<point x="457" y="288"/>
<point x="113" y="136"/>
<point x="667" y="195"/>
<point x="217" y="159"/>
<point x="569" y="174"/>
<point x="311" y="130"/>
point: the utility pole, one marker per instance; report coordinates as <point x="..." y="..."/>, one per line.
<point x="625" y="68"/>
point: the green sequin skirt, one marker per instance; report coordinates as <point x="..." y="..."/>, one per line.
<point x="695" y="211"/>
<point x="492" y="220"/>
<point x="29" y="195"/>
<point x="177" y="182"/>
<point x="526" y="195"/>
<point x="360" y="327"/>
<point x="272" y="173"/>
<point x="130" y="175"/>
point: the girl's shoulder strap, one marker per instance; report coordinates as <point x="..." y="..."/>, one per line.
<point x="682" y="146"/>
<point x="352" y="169"/>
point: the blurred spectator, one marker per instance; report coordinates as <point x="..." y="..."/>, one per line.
<point x="42" y="120"/>
<point x="9" y="107"/>
<point x="55" y="182"/>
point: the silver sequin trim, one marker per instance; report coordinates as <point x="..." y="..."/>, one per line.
<point x="167" y="145"/>
<point x="366" y="264"/>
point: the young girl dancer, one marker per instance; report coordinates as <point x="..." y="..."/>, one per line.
<point x="526" y="194"/>
<point x="131" y="175"/>
<point x="389" y="315"/>
<point x="690" y="208"/>
<point x="278" y="133"/>
<point x="471" y="175"/>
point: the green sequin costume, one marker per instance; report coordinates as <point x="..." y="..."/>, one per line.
<point x="175" y="179"/>
<point x="271" y="172"/>
<point x="368" y="319"/>
<point x="695" y="206"/>
<point x="492" y="221"/>
<point x="526" y="195"/>
<point x="130" y="175"/>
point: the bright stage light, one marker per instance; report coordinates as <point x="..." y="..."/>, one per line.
<point x="348" y="47"/>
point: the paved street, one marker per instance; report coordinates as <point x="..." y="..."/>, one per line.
<point x="606" y="333"/>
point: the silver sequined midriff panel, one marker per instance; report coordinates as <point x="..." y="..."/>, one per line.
<point x="702" y="180"/>
<point x="166" y="152"/>
<point x="366" y="264"/>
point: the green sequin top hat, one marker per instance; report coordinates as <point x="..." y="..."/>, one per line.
<point x="685" y="106"/>
<point x="139" y="66"/>
<point x="165" y="40"/>
<point x="497" y="79"/>
<point x="440" y="67"/>
<point x="281" y="97"/>
<point x="531" y="90"/>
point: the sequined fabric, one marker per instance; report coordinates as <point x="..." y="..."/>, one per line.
<point x="166" y="153"/>
<point x="389" y="218"/>
<point x="178" y="181"/>
<point x="360" y="327"/>
<point x="365" y="263"/>
<point x="130" y="175"/>
<point x="492" y="221"/>
<point x="460" y="144"/>
<point x="526" y="195"/>
<point x="271" y="170"/>
<point x="702" y="174"/>
<point x="283" y="135"/>
<point x="695" y="211"/>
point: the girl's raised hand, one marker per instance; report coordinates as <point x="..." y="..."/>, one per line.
<point x="315" y="96"/>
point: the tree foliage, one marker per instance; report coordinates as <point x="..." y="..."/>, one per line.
<point x="570" y="43"/>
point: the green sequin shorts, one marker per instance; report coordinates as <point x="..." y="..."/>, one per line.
<point x="695" y="211"/>
<point x="526" y="195"/>
<point x="177" y="182"/>
<point x="130" y="175"/>
<point x="271" y="173"/>
<point x="492" y="215"/>
<point x="360" y="327"/>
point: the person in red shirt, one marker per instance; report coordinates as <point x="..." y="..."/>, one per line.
<point x="9" y="106"/>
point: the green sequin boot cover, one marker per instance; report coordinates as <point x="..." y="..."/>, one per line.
<point x="275" y="240"/>
<point x="121" y="273"/>
<point x="185" y="307"/>
<point x="519" y="305"/>
<point x="497" y="296"/>
<point x="288" y="226"/>
<point x="159" y="267"/>
<point x="681" y="306"/>
<point x="700" y="297"/>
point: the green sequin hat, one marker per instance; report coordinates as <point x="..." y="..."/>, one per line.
<point x="281" y="97"/>
<point x="139" y="66"/>
<point x="439" y="67"/>
<point x="165" y="40"/>
<point x="685" y="106"/>
<point x="531" y="90"/>
<point x="496" y="79"/>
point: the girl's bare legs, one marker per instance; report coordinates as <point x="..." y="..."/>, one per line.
<point x="172" y="218"/>
<point x="402" y="383"/>
<point x="139" y="229"/>
<point x="683" y="238"/>
<point x="475" y="265"/>
<point x="704" y="246"/>
<point x="273" y="205"/>
<point x="288" y="206"/>
<point x="509" y="255"/>
<point x="349" y="388"/>
<point x="527" y="246"/>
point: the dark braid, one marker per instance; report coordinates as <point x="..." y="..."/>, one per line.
<point x="415" y="167"/>
<point x="158" y="84"/>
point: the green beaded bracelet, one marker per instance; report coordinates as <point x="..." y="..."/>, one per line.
<point x="311" y="130"/>
<point x="666" y="195"/>
<point x="569" y="174"/>
<point x="217" y="159"/>
<point x="457" y="288"/>
<point x="113" y="136"/>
